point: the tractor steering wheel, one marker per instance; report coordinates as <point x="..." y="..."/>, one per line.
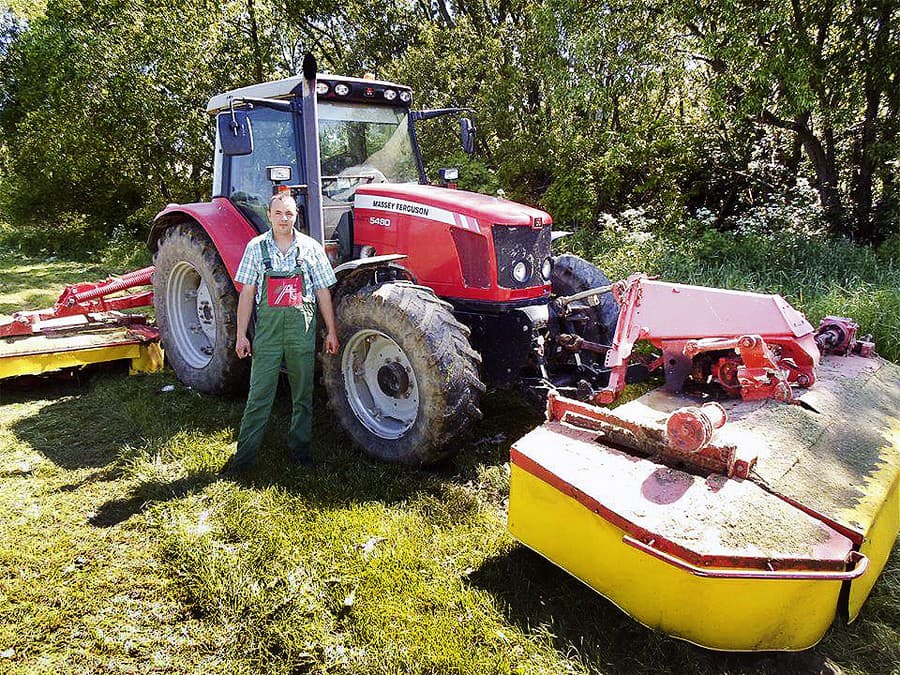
<point x="342" y="187"/>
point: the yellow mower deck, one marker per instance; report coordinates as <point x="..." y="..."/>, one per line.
<point x="756" y="564"/>
<point x="48" y="352"/>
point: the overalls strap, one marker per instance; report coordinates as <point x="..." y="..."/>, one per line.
<point x="264" y="250"/>
<point x="267" y="260"/>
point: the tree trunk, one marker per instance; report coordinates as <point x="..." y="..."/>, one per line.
<point x="254" y="40"/>
<point x="863" y="179"/>
<point x="823" y="160"/>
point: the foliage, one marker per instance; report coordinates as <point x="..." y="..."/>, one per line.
<point x="102" y="113"/>
<point x="773" y="249"/>
<point x="582" y="108"/>
<point x="825" y="72"/>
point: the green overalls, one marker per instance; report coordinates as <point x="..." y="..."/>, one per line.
<point x="286" y="332"/>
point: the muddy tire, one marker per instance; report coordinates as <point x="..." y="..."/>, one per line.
<point x="196" y="310"/>
<point x="405" y="383"/>
<point x="572" y="274"/>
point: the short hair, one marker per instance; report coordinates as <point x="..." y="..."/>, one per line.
<point x="284" y="194"/>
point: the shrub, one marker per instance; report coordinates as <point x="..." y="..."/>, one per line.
<point x="776" y="252"/>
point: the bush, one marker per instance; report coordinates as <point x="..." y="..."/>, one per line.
<point x="69" y="235"/>
<point x="817" y="274"/>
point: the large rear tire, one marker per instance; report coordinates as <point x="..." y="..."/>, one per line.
<point x="572" y="274"/>
<point x="196" y="310"/>
<point x="405" y="383"/>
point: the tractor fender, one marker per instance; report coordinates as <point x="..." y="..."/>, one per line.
<point x="224" y="224"/>
<point x="374" y="261"/>
<point x="354" y="274"/>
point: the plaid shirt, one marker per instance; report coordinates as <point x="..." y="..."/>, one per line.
<point x="305" y="252"/>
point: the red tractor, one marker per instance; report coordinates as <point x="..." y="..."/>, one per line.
<point x="440" y="292"/>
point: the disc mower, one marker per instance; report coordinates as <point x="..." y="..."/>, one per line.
<point x="744" y="503"/>
<point x="86" y="325"/>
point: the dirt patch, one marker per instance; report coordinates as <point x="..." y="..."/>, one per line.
<point x="762" y="521"/>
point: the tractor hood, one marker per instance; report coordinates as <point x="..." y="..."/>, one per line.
<point x="405" y="197"/>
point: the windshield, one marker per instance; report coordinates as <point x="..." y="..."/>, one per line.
<point x="363" y="144"/>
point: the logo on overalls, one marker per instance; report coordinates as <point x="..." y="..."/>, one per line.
<point x="286" y="293"/>
<point x="289" y="291"/>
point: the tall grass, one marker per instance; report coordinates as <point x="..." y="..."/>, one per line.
<point x="817" y="275"/>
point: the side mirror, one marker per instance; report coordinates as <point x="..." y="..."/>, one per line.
<point x="467" y="135"/>
<point x="235" y="133"/>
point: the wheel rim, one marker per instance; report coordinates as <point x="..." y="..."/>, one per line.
<point x="192" y="315"/>
<point x="381" y="385"/>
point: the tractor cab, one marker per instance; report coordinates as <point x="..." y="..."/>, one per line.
<point x="366" y="135"/>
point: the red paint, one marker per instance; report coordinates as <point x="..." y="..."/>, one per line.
<point x="424" y="232"/>
<point x="685" y="321"/>
<point x="224" y="224"/>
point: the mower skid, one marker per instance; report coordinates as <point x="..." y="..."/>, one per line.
<point x="729" y="563"/>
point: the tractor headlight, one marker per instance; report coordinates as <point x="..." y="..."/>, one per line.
<point x="389" y="94"/>
<point x="405" y="96"/>
<point x="321" y="88"/>
<point x="547" y="269"/>
<point x="520" y="271"/>
<point x="341" y="89"/>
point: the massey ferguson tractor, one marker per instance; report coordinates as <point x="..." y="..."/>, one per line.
<point x="440" y="292"/>
<point x="740" y="506"/>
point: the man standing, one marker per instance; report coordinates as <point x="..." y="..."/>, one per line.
<point x="286" y="274"/>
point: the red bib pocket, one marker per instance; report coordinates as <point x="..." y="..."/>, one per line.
<point x="285" y="291"/>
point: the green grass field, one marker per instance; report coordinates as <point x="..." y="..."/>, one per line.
<point x="121" y="552"/>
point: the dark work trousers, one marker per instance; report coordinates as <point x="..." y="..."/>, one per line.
<point x="288" y="334"/>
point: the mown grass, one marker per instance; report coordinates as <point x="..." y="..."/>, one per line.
<point x="120" y="551"/>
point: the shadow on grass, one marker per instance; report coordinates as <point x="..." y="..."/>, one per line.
<point x="344" y="475"/>
<point x="114" y="417"/>
<point x="90" y="421"/>
<point x="116" y="511"/>
<point x="536" y="595"/>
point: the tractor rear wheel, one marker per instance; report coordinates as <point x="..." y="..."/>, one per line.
<point x="405" y="381"/>
<point x="196" y="310"/>
<point x="572" y="274"/>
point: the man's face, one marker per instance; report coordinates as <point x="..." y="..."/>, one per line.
<point x="283" y="215"/>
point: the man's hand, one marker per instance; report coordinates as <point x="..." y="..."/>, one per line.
<point x="242" y="347"/>
<point x="331" y="343"/>
<point x="245" y="309"/>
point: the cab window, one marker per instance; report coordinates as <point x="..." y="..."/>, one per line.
<point x="274" y="143"/>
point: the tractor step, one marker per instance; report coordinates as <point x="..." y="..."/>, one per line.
<point x="761" y="562"/>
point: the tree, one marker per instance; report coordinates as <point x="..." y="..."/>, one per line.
<point x="103" y="107"/>
<point x="824" y="70"/>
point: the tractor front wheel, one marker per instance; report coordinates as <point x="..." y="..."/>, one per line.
<point x="196" y="310"/>
<point x="405" y="383"/>
<point x="572" y="274"/>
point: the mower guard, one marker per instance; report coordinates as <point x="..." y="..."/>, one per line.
<point x="762" y="563"/>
